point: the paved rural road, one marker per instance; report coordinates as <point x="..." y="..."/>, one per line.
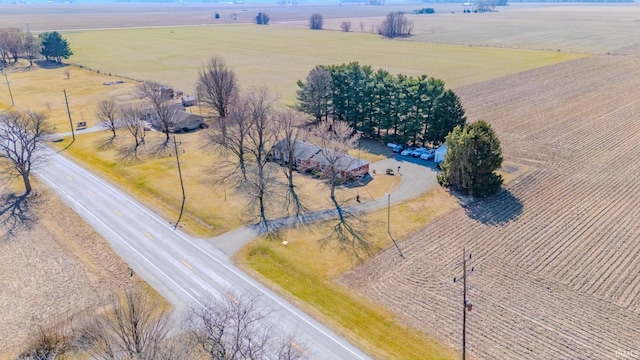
<point x="189" y="271"/>
<point x="182" y="269"/>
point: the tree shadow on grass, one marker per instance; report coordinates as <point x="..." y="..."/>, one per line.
<point x="48" y="64"/>
<point x="496" y="210"/>
<point x="129" y="155"/>
<point x="161" y="149"/>
<point x="105" y="144"/>
<point x="15" y="214"/>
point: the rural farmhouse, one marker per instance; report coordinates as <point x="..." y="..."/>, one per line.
<point x="309" y="157"/>
<point x="182" y="120"/>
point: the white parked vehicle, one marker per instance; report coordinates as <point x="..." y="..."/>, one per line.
<point x="419" y="151"/>
<point x="428" y="155"/>
<point x="392" y="145"/>
<point x="407" y="151"/>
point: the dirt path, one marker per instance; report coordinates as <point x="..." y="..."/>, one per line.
<point x="556" y="254"/>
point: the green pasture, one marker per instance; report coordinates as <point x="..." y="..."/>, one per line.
<point x="277" y="57"/>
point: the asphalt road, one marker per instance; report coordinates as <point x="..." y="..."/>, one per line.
<point x="184" y="270"/>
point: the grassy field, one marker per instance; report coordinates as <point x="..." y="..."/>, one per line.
<point x="375" y="328"/>
<point x="277" y="57"/>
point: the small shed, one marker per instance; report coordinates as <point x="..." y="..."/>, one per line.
<point x="185" y="121"/>
<point x="189" y="100"/>
<point x="438" y="156"/>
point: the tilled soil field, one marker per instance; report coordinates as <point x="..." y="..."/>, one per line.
<point x="52" y="267"/>
<point x="557" y="253"/>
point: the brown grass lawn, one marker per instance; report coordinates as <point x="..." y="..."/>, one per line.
<point x="53" y="267"/>
<point x="211" y="208"/>
<point x="41" y="89"/>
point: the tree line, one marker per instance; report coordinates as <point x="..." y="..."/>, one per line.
<point x="398" y="107"/>
<point x="16" y="44"/>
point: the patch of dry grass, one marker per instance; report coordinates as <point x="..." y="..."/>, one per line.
<point x="41" y="89"/>
<point x="311" y="283"/>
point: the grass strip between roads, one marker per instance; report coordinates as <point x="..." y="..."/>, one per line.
<point x="305" y="273"/>
<point x="374" y="329"/>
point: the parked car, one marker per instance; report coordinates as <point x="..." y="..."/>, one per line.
<point x="407" y="151"/>
<point x="417" y="152"/>
<point x="392" y="145"/>
<point x="428" y="155"/>
<point x="398" y="148"/>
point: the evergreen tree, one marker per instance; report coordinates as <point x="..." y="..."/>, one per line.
<point x="447" y="114"/>
<point x="473" y="156"/>
<point x="54" y="46"/>
<point x="315" y="95"/>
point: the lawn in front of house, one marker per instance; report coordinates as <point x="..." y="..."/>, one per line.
<point x="211" y="207"/>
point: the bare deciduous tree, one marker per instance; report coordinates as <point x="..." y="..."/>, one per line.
<point x="30" y="47"/>
<point x="288" y="134"/>
<point x="239" y="327"/>
<point x="134" y="327"/>
<point x="335" y="141"/>
<point x="260" y="140"/>
<point x="395" y="25"/>
<point x="159" y="106"/>
<point x="230" y="136"/>
<point x="67" y="73"/>
<point x="10" y="44"/>
<point x="50" y="344"/>
<point x="346" y="26"/>
<point x="315" y="22"/>
<point x="217" y="86"/>
<point x="21" y="136"/>
<point x="107" y="113"/>
<point x="131" y="115"/>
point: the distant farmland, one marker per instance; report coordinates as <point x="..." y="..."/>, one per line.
<point x="277" y="57"/>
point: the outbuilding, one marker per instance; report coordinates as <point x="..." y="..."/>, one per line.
<point x="439" y="154"/>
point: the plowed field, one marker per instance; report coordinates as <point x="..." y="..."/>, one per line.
<point x="557" y="253"/>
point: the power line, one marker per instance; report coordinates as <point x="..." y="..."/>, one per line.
<point x="66" y="100"/>
<point x="466" y="303"/>
<point x="8" y="86"/>
<point x="175" y="145"/>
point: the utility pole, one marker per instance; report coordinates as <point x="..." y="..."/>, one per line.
<point x="389" y="224"/>
<point x="8" y="86"/>
<point x="66" y="100"/>
<point x="175" y="145"/>
<point x="466" y="304"/>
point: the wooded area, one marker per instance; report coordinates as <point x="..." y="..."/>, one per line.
<point x="398" y="108"/>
